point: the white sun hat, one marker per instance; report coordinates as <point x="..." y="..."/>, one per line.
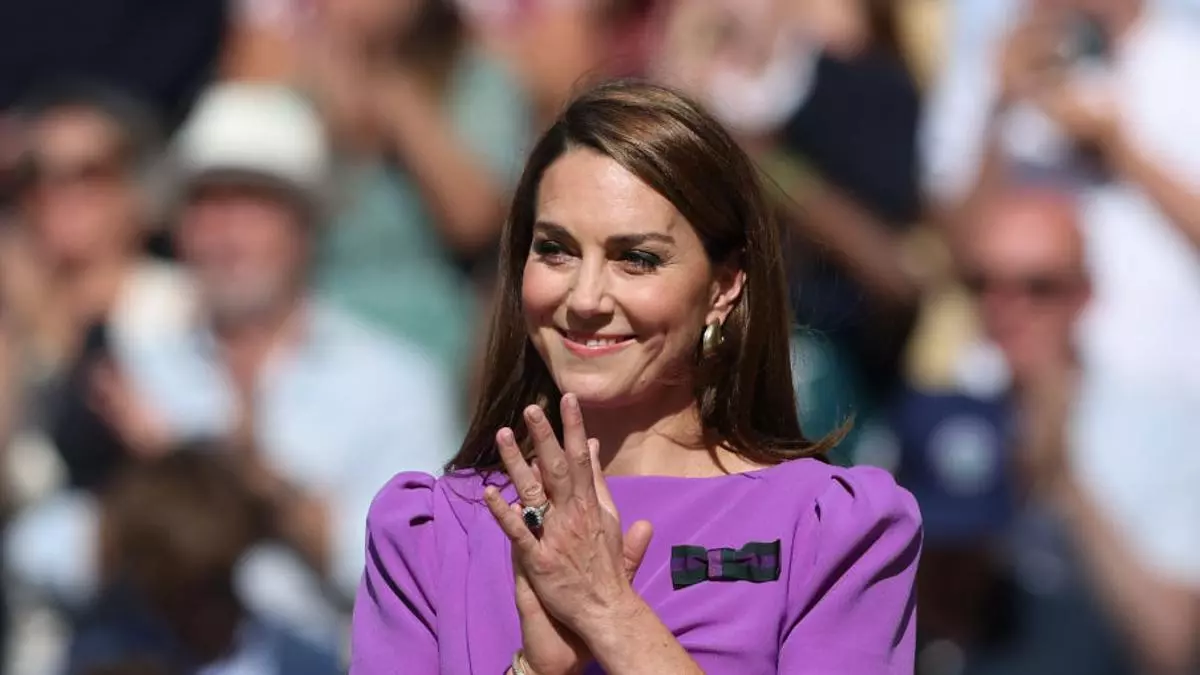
<point x="257" y="131"/>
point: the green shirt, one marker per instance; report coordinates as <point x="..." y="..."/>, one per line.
<point x="382" y="257"/>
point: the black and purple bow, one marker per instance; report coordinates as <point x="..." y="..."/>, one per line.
<point x="755" y="562"/>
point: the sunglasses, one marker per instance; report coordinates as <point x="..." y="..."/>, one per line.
<point x="95" y="171"/>
<point x="1036" y="287"/>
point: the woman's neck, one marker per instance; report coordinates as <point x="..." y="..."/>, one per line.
<point x="663" y="438"/>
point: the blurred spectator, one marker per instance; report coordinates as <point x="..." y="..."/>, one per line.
<point x="173" y="531"/>
<point x="855" y="141"/>
<point x="74" y="281"/>
<point x="321" y="408"/>
<point x="164" y="51"/>
<point x="590" y="40"/>
<point x="430" y="133"/>
<point x="1003" y="586"/>
<point x="1093" y="89"/>
<point x="1023" y="261"/>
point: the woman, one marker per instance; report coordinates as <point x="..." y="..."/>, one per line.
<point x="641" y="277"/>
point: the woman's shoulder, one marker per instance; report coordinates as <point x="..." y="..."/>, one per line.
<point x="847" y="499"/>
<point x="864" y="505"/>
<point x="414" y="499"/>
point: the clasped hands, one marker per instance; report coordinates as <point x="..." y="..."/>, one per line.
<point x="574" y="573"/>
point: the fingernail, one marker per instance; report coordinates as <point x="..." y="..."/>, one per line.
<point x="572" y="402"/>
<point x="534" y="414"/>
<point x="505" y="436"/>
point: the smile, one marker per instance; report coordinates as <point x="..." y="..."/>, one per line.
<point x="587" y="344"/>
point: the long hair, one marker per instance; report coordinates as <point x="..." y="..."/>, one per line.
<point x="743" y="391"/>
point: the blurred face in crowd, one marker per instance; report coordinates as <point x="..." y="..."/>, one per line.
<point x="83" y="201"/>
<point x="1099" y="7"/>
<point x="247" y="246"/>
<point x="617" y="287"/>
<point x="1096" y="8"/>
<point x="1025" y="265"/>
<point x="370" y="20"/>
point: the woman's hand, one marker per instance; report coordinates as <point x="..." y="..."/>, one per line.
<point x="549" y="646"/>
<point x="576" y="570"/>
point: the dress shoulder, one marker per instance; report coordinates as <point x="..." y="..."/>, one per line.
<point x="395" y="610"/>
<point x="841" y="500"/>
<point x="417" y="546"/>
<point x="851" y="602"/>
<point x="407" y="494"/>
<point x="863" y="500"/>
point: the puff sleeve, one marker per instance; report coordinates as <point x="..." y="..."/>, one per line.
<point x="851" y="589"/>
<point x="395" y="612"/>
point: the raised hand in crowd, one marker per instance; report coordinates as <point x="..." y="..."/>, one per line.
<point x="1031" y="56"/>
<point x="140" y="427"/>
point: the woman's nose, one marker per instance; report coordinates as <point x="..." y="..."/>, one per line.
<point x="589" y="293"/>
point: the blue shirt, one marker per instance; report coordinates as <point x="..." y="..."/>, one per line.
<point x="338" y="414"/>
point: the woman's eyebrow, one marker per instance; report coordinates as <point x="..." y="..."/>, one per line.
<point x="630" y="240"/>
<point x="551" y="229"/>
<point x="554" y="230"/>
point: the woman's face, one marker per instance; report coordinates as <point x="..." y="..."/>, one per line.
<point x="617" y="286"/>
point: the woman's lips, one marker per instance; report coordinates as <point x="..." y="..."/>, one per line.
<point x="595" y="345"/>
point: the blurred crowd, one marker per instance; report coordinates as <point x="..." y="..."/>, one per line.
<point x="246" y="255"/>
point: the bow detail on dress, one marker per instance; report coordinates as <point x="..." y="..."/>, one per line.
<point x="755" y="562"/>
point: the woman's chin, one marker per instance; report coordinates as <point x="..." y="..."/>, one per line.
<point x="597" y="394"/>
<point x="602" y="402"/>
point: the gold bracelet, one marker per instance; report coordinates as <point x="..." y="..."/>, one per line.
<point x="518" y="663"/>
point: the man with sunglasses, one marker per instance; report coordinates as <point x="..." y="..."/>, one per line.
<point x="75" y="283"/>
<point x="1082" y="591"/>
<point x="1002" y="588"/>
<point x="75" y="279"/>
<point x="1024" y="263"/>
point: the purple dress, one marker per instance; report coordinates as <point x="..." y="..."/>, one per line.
<point x="801" y="568"/>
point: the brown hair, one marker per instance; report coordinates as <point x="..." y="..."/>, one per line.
<point x="433" y="41"/>
<point x="173" y="529"/>
<point x="744" y="391"/>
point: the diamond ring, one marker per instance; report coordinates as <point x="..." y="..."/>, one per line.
<point x="535" y="516"/>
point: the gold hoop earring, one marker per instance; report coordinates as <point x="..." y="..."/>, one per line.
<point x="710" y="340"/>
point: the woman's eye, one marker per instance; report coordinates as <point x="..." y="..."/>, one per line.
<point x="549" y="250"/>
<point x="641" y="261"/>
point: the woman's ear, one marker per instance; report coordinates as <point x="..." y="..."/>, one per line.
<point x="727" y="287"/>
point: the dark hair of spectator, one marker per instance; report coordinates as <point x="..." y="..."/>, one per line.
<point x="138" y="126"/>
<point x="174" y="529"/>
<point x="744" y="392"/>
<point x="434" y="39"/>
<point x="883" y="24"/>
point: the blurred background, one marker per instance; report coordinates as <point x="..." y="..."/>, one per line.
<point x="247" y="250"/>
